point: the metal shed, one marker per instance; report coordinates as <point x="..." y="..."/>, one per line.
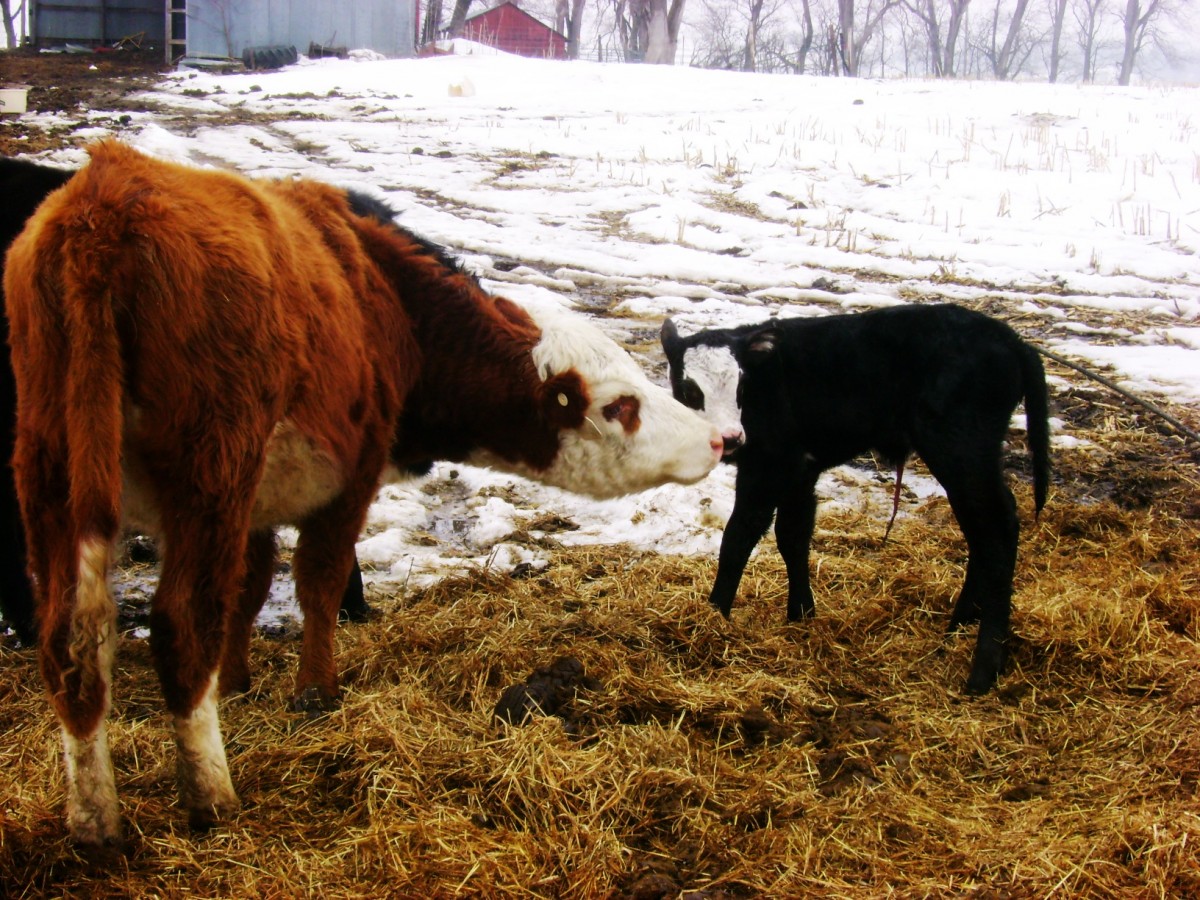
<point x="230" y="27"/>
<point x="95" y="22"/>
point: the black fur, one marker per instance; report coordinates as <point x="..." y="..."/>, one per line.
<point x="23" y="185"/>
<point x="940" y="381"/>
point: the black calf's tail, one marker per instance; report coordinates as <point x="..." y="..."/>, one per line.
<point x="1037" y="424"/>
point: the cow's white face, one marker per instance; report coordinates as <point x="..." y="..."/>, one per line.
<point x="634" y="436"/>
<point x="709" y="380"/>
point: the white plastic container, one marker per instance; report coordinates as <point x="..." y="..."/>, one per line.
<point x="12" y="100"/>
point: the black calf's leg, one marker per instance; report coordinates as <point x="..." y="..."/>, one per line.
<point x="753" y="510"/>
<point x="793" y="533"/>
<point x="987" y="515"/>
<point x="967" y="462"/>
<point x="16" y="593"/>
<point x="354" y="604"/>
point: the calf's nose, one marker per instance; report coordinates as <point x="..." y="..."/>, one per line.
<point x="717" y="443"/>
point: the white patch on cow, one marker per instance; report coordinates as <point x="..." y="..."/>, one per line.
<point x="93" y="815"/>
<point x="672" y="442"/>
<point x="716" y="373"/>
<point x="205" y="788"/>
<point x="298" y="477"/>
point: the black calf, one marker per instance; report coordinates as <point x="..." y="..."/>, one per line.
<point x="940" y="381"/>
<point x="24" y="185"/>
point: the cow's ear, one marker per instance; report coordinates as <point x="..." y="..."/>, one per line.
<point x="669" y="336"/>
<point x="565" y="399"/>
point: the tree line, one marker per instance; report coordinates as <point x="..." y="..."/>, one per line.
<point x="1083" y="40"/>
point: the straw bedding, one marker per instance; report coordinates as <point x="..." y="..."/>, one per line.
<point x="673" y="753"/>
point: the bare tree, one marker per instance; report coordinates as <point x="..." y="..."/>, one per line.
<point x="1058" y="14"/>
<point x="757" y="14"/>
<point x="1088" y="15"/>
<point x="1137" y="18"/>
<point x="1008" y="58"/>
<point x="805" y="40"/>
<point x="11" y="16"/>
<point x="750" y="48"/>
<point x="458" y="18"/>
<point x="664" y="31"/>
<point x="942" y="45"/>
<point x="754" y="35"/>
<point x="719" y="44"/>
<point x="852" y="38"/>
<point x="431" y="23"/>
<point x="568" y="20"/>
<point x="649" y="29"/>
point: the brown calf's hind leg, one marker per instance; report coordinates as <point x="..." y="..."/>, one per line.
<point x="256" y="585"/>
<point x="78" y="636"/>
<point x="77" y="660"/>
<point x="322" y="564"/>
<point x="201" y="576"/>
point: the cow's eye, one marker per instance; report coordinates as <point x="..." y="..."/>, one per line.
<point x="690" y="395"/>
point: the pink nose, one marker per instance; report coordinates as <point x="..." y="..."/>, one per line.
<point x="717" y="443"/>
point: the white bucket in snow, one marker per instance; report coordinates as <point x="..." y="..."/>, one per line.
<point x="12" y="99"/>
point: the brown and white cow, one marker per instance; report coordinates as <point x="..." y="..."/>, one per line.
<point x="211" y="357"/>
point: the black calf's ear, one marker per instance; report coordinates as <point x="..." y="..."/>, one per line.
<point x="762" y="343"/>
<point x="669" y="335"/>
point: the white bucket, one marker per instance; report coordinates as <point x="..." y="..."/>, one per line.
<point x="12" y="100"/>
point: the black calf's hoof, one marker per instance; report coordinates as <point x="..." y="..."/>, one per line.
<point x="362" y="612"/>
<point x="983" y="679"/>
<point x="803" y="615"/>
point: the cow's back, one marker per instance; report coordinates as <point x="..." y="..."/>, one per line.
<point x="238" y="307"/>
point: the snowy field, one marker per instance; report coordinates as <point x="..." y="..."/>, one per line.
<point x="634" y="193"/>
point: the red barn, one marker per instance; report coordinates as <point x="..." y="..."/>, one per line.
<point x="509" y="28"/>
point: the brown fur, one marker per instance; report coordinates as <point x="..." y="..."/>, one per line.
<point x="203" y="330"/>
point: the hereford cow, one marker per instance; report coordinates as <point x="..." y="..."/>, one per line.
<point x="212" y="357"/>
<point x="24" y="184"/>
<point x="796" y="397"/>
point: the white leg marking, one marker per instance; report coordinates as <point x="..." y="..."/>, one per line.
<point x="93" y="815"/>
<point x="205" y="788"/>
<point x="92" y="812"/>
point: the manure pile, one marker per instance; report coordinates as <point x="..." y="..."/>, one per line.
<point x="595" y="730"/>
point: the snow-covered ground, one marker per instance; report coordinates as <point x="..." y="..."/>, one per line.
<point x="638" y="192"/>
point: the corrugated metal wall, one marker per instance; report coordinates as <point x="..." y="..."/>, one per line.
<point x="228" y="27"/>
<point x="96" y="21"/>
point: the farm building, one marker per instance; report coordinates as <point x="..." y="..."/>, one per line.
<point x="96" y="22"/>
<point x="228" y="28"/>
<point x="509" y="28"/>
<point x="222" y="28"/>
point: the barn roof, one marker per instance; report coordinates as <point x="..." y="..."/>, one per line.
<point x="493" y="13"/>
